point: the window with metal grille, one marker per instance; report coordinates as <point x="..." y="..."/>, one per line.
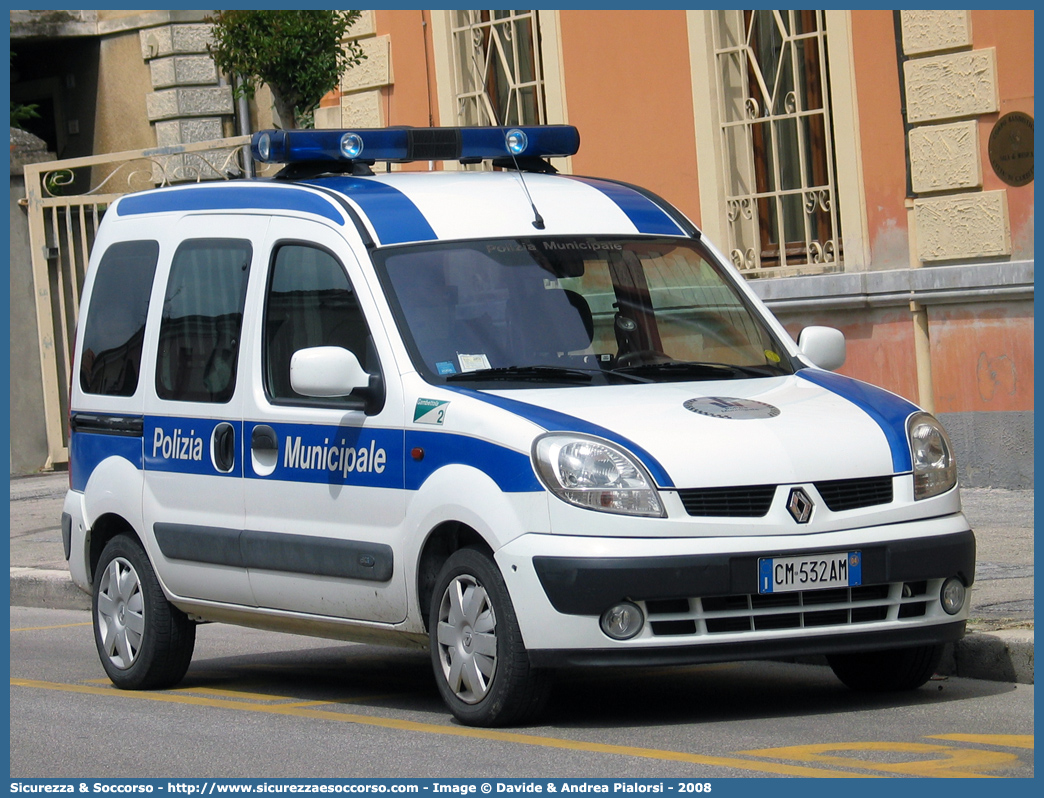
<point x="498" y="72"/>
<point x="777" y="141"/>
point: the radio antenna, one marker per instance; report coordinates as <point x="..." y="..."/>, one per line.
<point x="538" y="220"/>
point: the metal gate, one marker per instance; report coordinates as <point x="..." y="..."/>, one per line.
<point x="62" y="229"/>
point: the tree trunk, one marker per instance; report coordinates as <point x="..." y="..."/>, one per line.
<point x="284" y="108"/>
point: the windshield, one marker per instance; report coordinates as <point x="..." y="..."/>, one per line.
<point x="572" y="311"/>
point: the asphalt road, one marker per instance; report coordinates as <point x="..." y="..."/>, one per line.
<point x="258" y="704"/>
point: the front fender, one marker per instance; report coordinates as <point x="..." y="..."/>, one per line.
<point x="469" y="496"/>
<point x="465" y="495"/>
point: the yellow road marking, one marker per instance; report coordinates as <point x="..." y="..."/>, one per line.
<point x="268" y="697"/>
<point x="773" y="768"/>
<point x="46" y="628"/>
<point x="1005" y="740"/>
<point x="228" y="693"/>
<point x="940" y="762"/>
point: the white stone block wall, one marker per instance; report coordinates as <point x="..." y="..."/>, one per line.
<point x="188" y="103"/>
<point x="948" y="87"/>
<point x="361" y="97"/>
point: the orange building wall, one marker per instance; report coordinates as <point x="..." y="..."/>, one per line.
<point x="411" y="99"/>
<point x="882" y="137"/>
<point x="982" y="357"/>
<point x="628" y="90"/>
<point x="878" y="343"/>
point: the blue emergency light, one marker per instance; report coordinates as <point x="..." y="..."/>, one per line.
<point x="415" y="144"/>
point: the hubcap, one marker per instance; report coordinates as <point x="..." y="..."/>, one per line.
<point x="467" y="639"/>
<point x="121" y="613"/>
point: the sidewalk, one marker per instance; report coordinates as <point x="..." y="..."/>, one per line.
<point x="999" y="646"/>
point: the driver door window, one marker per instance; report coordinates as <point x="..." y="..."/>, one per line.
<point x="310" y="302"/>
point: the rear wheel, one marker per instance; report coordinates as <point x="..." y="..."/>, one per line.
<point x="892" y="670"/>
<point x="144" y="642"/>
<point x="480" y="662"/>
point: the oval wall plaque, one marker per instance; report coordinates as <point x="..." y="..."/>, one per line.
<point x="1011" y="148"/>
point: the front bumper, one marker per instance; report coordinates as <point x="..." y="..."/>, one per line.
<point x="796" y="646"/>
<point x="700" y="595"/>
<point x="588" y="585"/>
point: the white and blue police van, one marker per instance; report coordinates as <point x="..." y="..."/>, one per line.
<point x="526" y="420"/>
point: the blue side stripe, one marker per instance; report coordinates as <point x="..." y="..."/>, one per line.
<point x="394" y="217"/>
<point x="511" y="470"/>
<point x="232" y="196"/>
<point x="888" y="410"/>
<point x="315" y="453"/>
<point x="644" y="214"/>
<point x="87" y="450"/>
<point x="553" y="421"/>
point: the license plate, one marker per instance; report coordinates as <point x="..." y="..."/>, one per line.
<point x="810" y="572"/>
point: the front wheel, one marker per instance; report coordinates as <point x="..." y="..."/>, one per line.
<point x="144" y="642"/>
<point x="480" y="662"/>
<point x="892" y="670"/>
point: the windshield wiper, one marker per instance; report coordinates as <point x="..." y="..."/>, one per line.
<point x="541" y="373"/>
<point x="697" y="370"/>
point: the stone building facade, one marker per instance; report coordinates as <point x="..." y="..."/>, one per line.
<point x="850" y="163"/>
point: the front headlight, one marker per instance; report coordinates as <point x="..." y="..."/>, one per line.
<point x="934" y="466"/>
<point x="593" y="473"/>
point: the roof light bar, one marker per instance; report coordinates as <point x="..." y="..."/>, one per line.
<point x="415" y="144"/>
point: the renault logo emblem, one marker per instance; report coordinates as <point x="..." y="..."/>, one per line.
<point x="800" y="506"/>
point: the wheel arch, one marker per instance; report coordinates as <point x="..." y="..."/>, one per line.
<point x="445" y="539"/>
<point x="104" y="529"/>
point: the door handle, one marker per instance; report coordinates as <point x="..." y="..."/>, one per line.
<point x="224" y="447"/>
<point x="264" y="439"/>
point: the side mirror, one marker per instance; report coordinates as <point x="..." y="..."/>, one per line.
<point x="325" y="371"/>
<point x="823" y="346"/>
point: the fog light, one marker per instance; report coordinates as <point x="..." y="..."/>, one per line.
<point x="953" y="595"/>
<point x="623" y="621"/>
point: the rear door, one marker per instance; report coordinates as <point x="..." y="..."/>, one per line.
<point x="193" y="431"/>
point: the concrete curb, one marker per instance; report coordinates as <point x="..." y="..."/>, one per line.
<point x="37" y="587"/>
<point x="1001" y="656"/>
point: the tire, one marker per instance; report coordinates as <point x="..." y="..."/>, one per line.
<point x="144" y="642"/>
<point x="893" y="670"/>
<point x="481" y="665"/>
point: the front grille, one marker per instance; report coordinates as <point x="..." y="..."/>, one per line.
<point x="754" y="501"/>
<point x="850" y="494"/>
<point x="844" y="606"/>
<point x="744" y="502"/>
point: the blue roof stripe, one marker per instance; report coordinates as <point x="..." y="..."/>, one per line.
<point x="231" y="196"/>
<point x="553" y="421"/>
<point x="888" y="410"/>
<point x="394" y="216"/>
<point x="645" y="215"/>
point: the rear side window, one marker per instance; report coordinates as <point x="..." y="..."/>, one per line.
<point x="115" y="329"/>
<point x="202" y="320"/>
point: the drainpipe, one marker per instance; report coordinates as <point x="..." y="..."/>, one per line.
<point x="245" y="126"/>
<point x="922" y="340"/>
<point x="918" y="313"/>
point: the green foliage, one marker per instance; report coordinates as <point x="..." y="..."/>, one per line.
<point x="297" y="54"/>
<point x="20" y="112"/>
